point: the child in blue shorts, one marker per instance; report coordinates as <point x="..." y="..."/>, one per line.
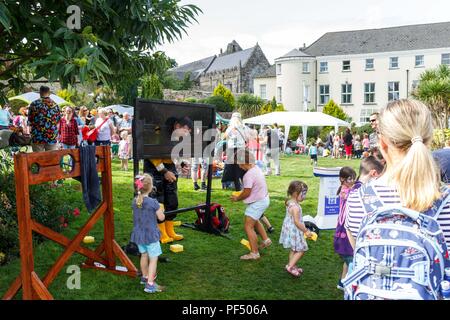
<point x="146" y="233"/>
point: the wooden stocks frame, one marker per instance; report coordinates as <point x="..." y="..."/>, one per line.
<point x="103" y="258"/>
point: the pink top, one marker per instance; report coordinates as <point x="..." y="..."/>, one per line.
<point x="366" y="143"/>
<point x="254" y="179"/>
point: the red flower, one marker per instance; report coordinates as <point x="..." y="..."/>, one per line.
<point x="65" y="225"/>
<point x="76" y="212"/>
<point x="62" y="219"/>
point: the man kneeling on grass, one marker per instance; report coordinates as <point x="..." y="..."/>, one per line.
<point x="256" y="196"/>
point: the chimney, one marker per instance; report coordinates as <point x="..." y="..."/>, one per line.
<point x="304" y="45"/>
<point x="221" y="51"/>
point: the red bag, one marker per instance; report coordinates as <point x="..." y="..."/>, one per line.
<point x="91" y="135"/>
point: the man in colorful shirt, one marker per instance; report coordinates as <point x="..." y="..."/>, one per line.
<point x="43" y="117"/>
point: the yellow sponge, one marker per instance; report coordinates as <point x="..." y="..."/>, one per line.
<point x="236" y="193"/>
<point x="176" y="248"/>
<point x="245" y="242"/>
<point x="313" y="236"/>
<point x="88" y="239"/>
<point x="177" y="223"/>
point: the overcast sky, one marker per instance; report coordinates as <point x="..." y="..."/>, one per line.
<point x="282" y="25"/>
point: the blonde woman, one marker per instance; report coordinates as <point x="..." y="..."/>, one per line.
<point x="105" y="128"/>
<point x="411" y="178"/>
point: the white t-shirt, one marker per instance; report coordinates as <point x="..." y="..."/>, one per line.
<point x="104" y="133"/>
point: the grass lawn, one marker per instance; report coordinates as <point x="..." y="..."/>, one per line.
<point x="209" y="267"/>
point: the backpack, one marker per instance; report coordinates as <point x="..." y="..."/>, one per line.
<point x="18" y="138"/>
<point x="219" y="219"/>
<point x="131" y="248"/>
<point x="399" y="254"/>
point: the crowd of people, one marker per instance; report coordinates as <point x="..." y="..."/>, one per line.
<point x="52" y="127"/>
<point x="397" y="168"/>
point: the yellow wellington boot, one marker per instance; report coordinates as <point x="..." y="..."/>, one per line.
<point x="164" y="237"/>
<point x="171" y="232"/>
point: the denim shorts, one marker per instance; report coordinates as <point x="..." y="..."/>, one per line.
<point x="256" y="209"/>
<point x="153" y="249"/>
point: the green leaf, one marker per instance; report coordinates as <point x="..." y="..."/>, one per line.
<point x="4" y="17"/>
<point x="68" y="69"/>
<point x="46" y="40"/>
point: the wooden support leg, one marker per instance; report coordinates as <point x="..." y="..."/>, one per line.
<point x="52" y="273"/>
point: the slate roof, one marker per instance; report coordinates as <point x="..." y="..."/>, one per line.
<point x="268" y="73"/>
<point x="196" y="68"/>
<point x="231" y="60"/>
<point x="403" y="38"/>
<point x="295" y="53"/>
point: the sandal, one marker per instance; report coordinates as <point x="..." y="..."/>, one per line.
<point x="266" y="243"/>
<point x="293" y="271"/>
<point x="250" y="256"/>
<point x="300" y="270"/>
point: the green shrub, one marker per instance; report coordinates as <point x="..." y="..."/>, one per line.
<point x="152" y="87"/>
<point x="440" y="136"/>
<point x="219" y="101"/>
<point x="224" y="92"/>
<point x="191" y="100"/>
<point x="48" y="207"/>
<point x="249" y="105"/>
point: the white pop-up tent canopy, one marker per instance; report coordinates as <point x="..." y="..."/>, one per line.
<point x="297" y="118"/>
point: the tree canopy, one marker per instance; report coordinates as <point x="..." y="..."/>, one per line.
<point x="434" y="91"/>
<point x="115" y="39"/>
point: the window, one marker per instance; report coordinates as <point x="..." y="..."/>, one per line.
<point x="305" y="67"/>
<point x="419" y="61"/>
<point x="278" y="68"/>
<point x="306" y="97"/>
<point x="263" y="91"/>
<point x="324" y="66"/>
<point x="369" y="92"/>
<point x="393" y="62"/>
<point x="279" y="94"/>
<point x="393" y="90"/>
<point x="445" y="58"/>
<point x="365" y="116"/>
<point x="369" y="64"/>
<point x="346" y="65"/>
<point x="346" y="93"/>
<point x="324" y="94"/>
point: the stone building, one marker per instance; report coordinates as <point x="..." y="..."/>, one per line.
<point x="235" y="68"/>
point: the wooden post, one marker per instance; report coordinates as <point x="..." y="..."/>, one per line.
<point x="24" y="223"/>
<point x="109" y="214"/>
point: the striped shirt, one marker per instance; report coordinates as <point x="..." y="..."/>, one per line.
<point x="355" y="211"/>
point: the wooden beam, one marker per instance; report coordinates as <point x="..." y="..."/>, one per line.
<point x="54" y="270"/>
<point x="64" y="241"/>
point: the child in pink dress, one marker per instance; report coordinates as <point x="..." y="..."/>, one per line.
<point x="123" y="150"/>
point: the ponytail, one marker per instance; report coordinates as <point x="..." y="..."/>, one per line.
<point x="417" y="178"/>
<point x="406" y="126"/>
<point x="139" y="199"/>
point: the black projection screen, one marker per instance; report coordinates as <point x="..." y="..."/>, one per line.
<point x="152" y="126"/>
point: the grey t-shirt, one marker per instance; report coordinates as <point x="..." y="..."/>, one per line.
<point x="145" y="222"/>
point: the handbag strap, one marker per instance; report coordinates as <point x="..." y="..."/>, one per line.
<point x="102" y="123"/>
